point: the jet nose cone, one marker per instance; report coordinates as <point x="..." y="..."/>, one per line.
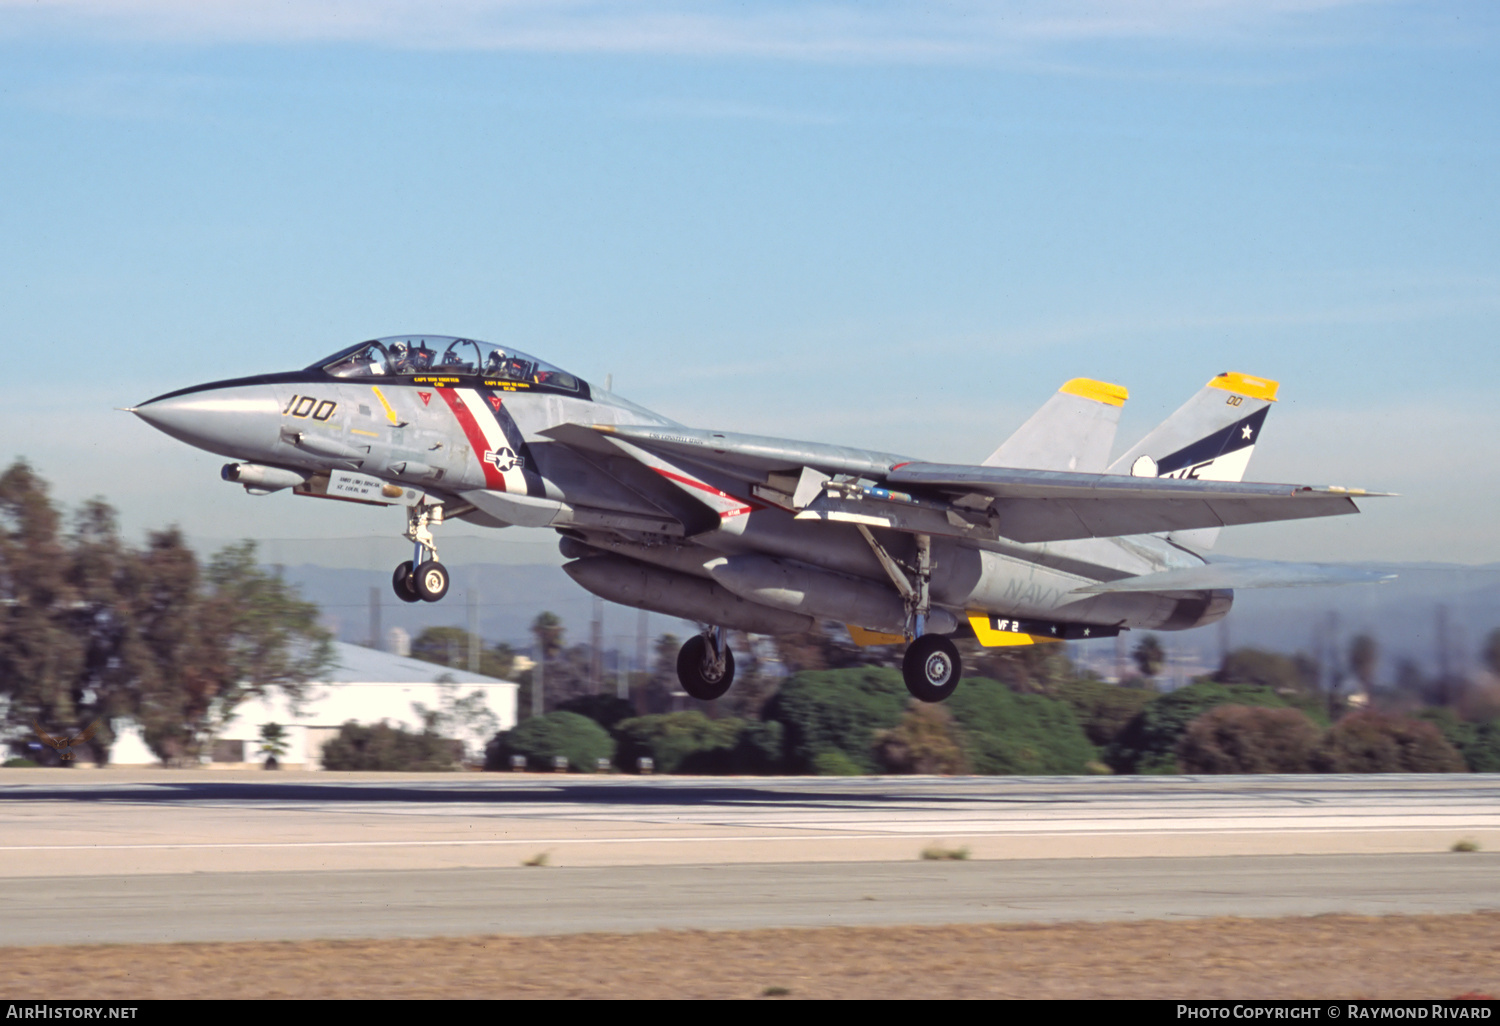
<point x="240" y="422"/>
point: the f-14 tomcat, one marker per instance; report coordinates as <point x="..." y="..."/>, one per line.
<point x="1046" y="540"/>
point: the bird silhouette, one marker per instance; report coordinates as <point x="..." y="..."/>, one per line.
<point x="64" y="744"/>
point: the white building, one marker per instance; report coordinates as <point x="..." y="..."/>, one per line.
<point x="365" y="686"/>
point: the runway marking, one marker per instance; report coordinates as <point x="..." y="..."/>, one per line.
<point x="738" y="839"/>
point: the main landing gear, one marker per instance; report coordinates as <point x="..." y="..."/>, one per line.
<point x="422" y="577"/>
<point x="705" y="665"/>
<point x="931" y="667"/>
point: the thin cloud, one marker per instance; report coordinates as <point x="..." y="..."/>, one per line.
<point x="821" y="30"/>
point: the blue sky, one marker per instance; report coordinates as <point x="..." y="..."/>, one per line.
<point x="891" y="224"/>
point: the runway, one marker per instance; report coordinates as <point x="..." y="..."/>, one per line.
<point x="93" y="856"/>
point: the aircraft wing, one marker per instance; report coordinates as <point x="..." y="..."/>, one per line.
<point x="758" y="453"/>
<point x="1039" y="506"/>
<point x="1239" y="574"/>
<point x="1023" y="505"/>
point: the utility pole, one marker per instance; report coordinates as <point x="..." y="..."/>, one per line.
<point x="596" y="643"/>
<point x="474" y="627"/>
<point x="1335" y="670"/>
<point x="641" y="666"/>
<point x="1444" y="650"/>
<point x="622" y="670"/>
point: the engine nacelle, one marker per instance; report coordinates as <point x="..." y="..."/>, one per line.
<point x="1204" y="608"/>
<point x="818" y="593"/>
<point x="633" y="583"/>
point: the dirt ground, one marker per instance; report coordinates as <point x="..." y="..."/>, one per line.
<point x="1428" y="957"/>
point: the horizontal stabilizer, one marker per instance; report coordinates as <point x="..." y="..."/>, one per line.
<point x="1243" y="574"/>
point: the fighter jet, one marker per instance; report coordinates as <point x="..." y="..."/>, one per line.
<point x="1046" y="540"/>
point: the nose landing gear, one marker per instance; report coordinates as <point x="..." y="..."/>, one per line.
<point x="705" y="665"/>
<point x="422" y="577"/>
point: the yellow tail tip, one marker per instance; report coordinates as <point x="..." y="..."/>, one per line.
<point x="1246" y="385"/>
<point x="1099" y="391"/>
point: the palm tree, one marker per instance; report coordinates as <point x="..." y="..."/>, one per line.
<point x="548" y="631"/>
<point x="1148" y="655"/>
<point x="273" y="744"/>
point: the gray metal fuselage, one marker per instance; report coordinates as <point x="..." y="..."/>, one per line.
<point x="544" y="459"/>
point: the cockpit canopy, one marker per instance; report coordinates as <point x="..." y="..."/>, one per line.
<point x="411" y="355"/>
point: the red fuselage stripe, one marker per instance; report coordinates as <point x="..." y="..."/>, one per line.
<point x="481" y="445"/>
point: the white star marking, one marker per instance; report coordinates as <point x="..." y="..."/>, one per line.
<point x="1245" y="430"/>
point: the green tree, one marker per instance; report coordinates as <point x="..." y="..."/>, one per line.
<point x="1483" y="754"/>
<point x="927" y="741"/>
<point x="42" y="665"/>
<point x="216" y="642"/>
<point x="1028" y="669"/>
<point x="1291" y="677"/>
<point x="273" y="743"/>
<point x="1477" y="743"/>
<point x="547" y="642"/>
<point x="1148" y="744"/>
<point x="1364" y="661"/>
<point x="91" y="629"/>
<point x="380" y="746"/>
<point x="679" y="742"/>
<point x="449" y="646"/>
<point x="836" y="710"/>
<point x="1248" y="739"/>
<point x="1009" y="733"/>
<point x="605" y="710"/>
<point x="653" y="689"/>
<point x="1103" y="710"/>
<point x="1149" y="656"/>
<point x="1491" y="651"/>
<point x="1374" y="742"/>
<point x="466" y="719"/>
<point x="102" y="571"/>
<point x="836" y="764"/>
<point x="542" y="738"/>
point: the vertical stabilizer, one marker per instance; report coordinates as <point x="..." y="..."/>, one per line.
<point x="1074" y="430"/>
<point x="1209" y="438"/>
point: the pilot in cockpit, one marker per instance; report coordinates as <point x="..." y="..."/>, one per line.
<point x="510" y="368"/>
<point x="410" y="359"/>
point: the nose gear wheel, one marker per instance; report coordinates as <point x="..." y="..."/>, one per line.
<point x="421" y="578"/>
<point x="431" y="581"/>
<point x="404" y="584"/>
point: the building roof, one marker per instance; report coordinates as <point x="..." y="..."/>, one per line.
<point x="355" y="664"/>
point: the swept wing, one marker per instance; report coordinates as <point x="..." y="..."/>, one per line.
<point x="1020" y="504"/>
<point x="1039" y="506"/>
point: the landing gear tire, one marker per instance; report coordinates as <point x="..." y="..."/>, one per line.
<point x="931" y="668"/>
<point x="697" y="673"/>
<point x="404" y="584"/>
<point x="431" y="581"/>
